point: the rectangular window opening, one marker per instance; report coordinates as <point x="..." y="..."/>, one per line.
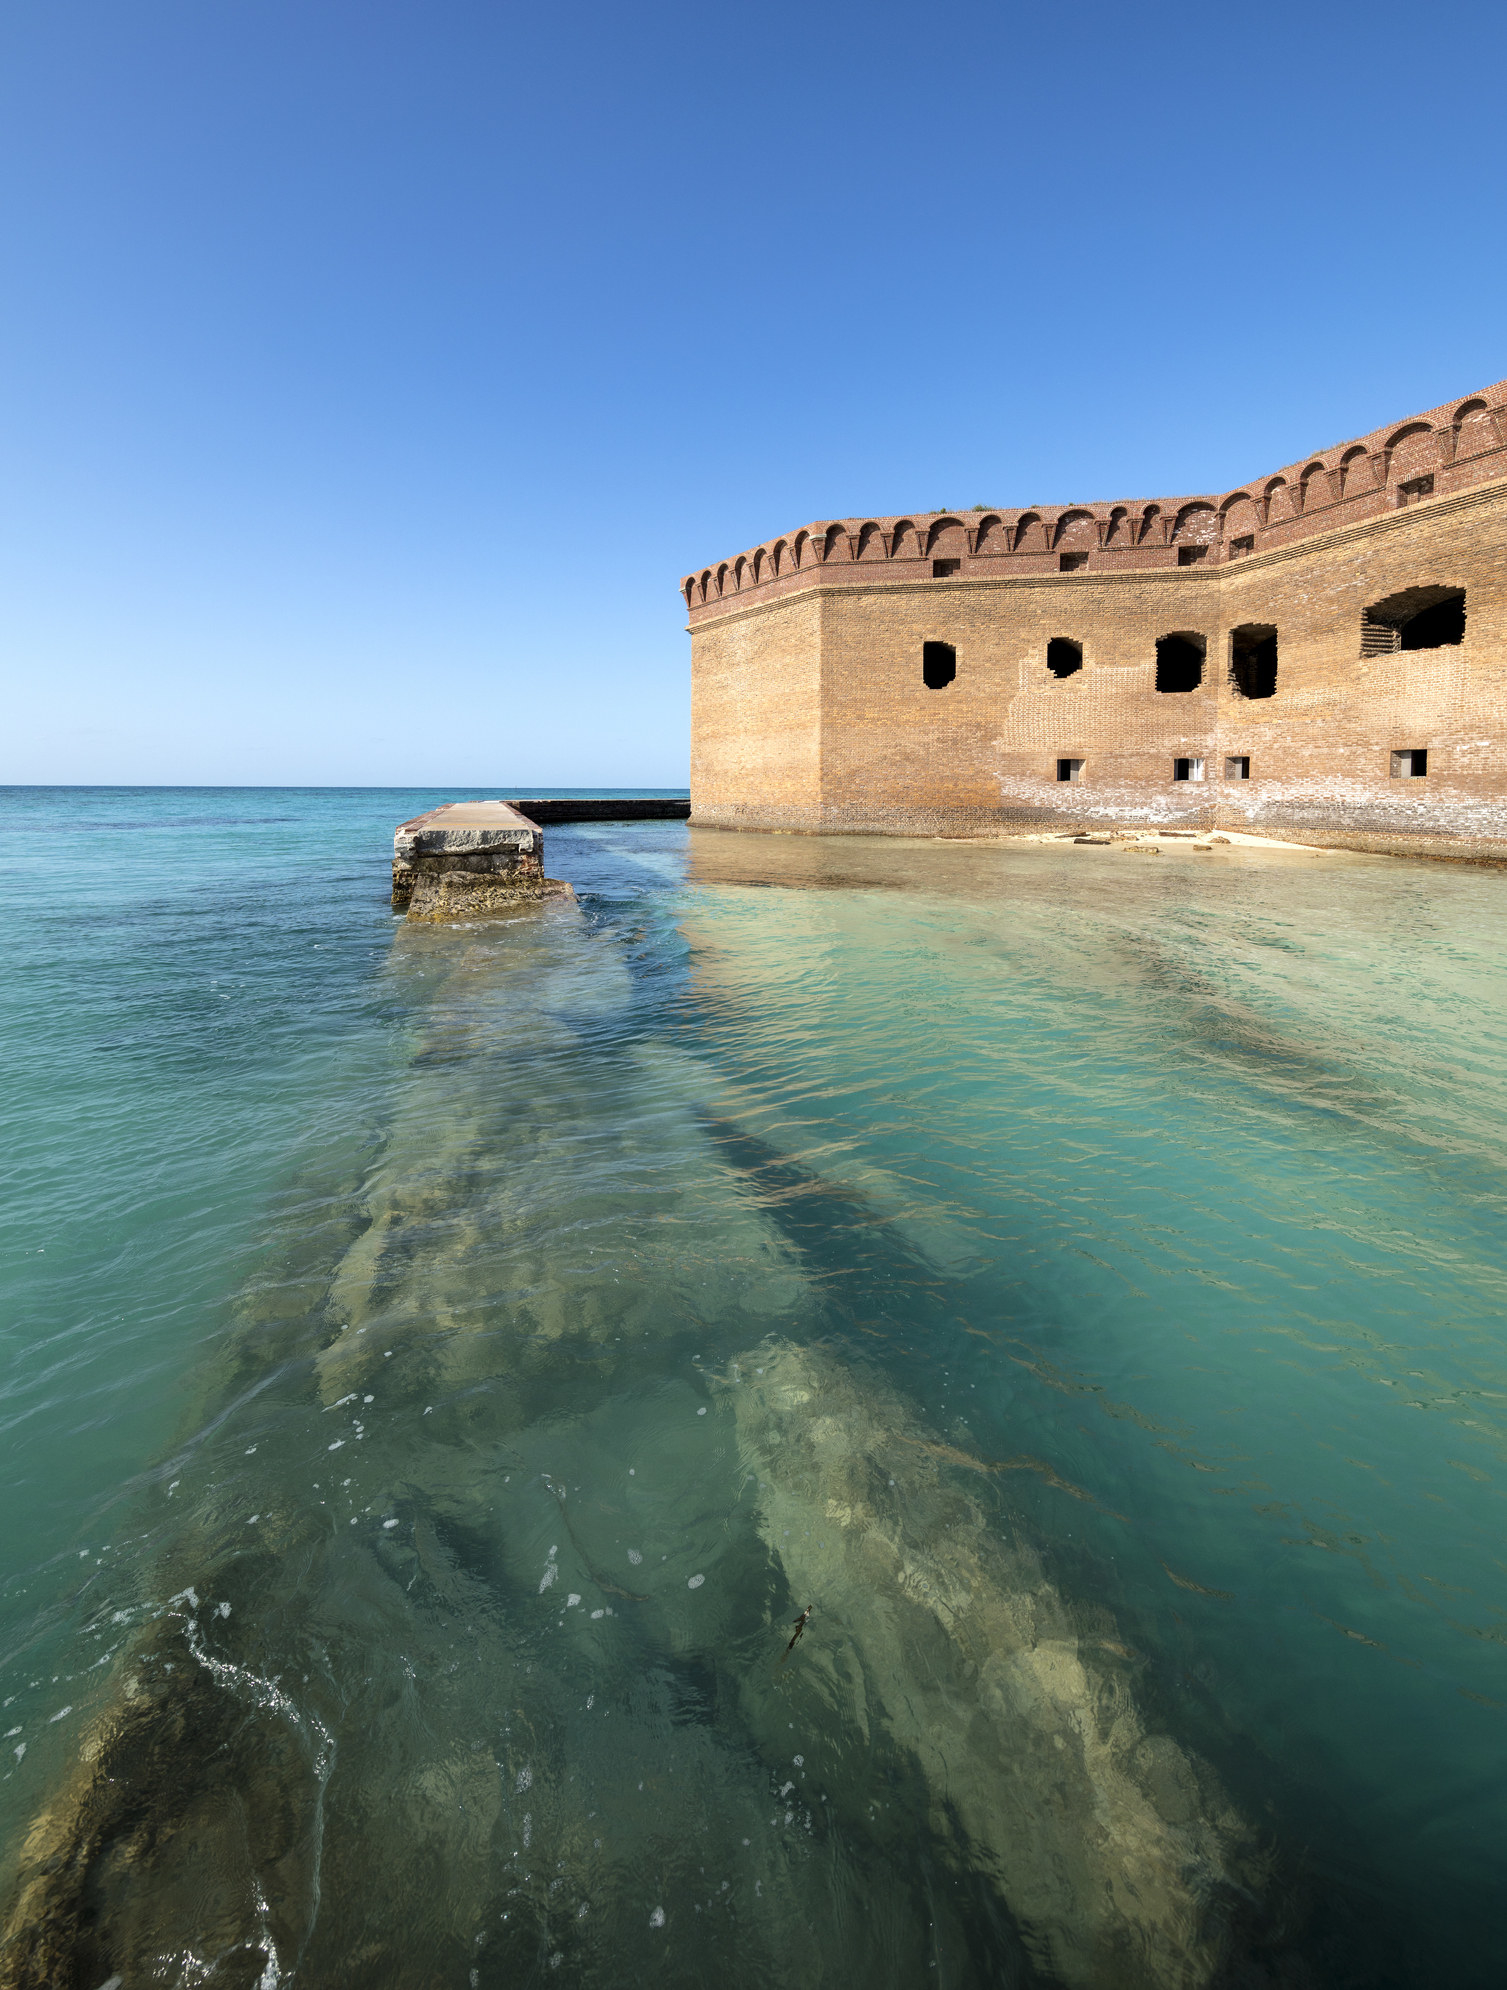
<point x="1240" y="547"/>
<point x="944" y="569"/>
<point x="1414" y="489"/>
<point x="1187" y="770"/>
<point x="1411" y="764"/>
<point x="1189" y="556"/>
<point x="1069" y="770"/>
<point x="1072" y="563"/>
<point x="1237" y="767"/>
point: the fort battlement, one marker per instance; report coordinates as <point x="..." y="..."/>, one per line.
<point x="1431" y="455"/>
<point x="1320" y="653"/>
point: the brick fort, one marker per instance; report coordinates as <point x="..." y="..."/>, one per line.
<point x="1318" y="654"/>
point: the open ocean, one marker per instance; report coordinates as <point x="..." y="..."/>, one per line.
<point x="442" y="1364"/>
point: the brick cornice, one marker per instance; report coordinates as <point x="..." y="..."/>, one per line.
<point x="1408" y="518"/>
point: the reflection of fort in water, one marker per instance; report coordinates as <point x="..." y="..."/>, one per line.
<point x="1320" y="653"/>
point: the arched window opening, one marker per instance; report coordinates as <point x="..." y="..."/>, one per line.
<point x="1064" y="656"/>
<point x="939" y="665"/>
<point x="1253" y="660"/>
<point x="1419" y="618"/>
<point x="1180" y="661"/>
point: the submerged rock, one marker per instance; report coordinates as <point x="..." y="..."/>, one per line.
<point x="1113" y="1848"/>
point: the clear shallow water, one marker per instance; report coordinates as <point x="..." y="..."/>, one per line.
<point x="1077" y="1275"/>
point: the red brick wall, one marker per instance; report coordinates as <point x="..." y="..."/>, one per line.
<point x="809" y="709"/>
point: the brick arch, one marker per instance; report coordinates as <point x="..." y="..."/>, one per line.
<point x="779" y="553"/>
<point x="870" y="541"/>
<point x="1355" y="471"/>
<point x="830" y="539"/>
<point x="1152" y="521"/>
<point x="897" y="539"/>
<point x="1407" y="432"/>
<point x="944" y="529"/>
<point x="1410" y="450"/>
<point x="1473" y="428"/>
<point x="760" y="561"/>
<point x="1076" y="530"/>
<point x="1241" y="515"/>
<point x="1313" y="486"/>
<point x="1277" y="498"/>
<point x="1196" y="525"/>
<point x="740" y="568"/>
<point x="1118" y="530"/>
<point x="800" y="545"/>
<point x="1025" y="525"/>
<point x="989" y="534"/>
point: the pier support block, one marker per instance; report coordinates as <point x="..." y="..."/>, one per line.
<point x="468" y="858"/>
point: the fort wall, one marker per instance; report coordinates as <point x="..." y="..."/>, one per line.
<point x="898" y="677"/>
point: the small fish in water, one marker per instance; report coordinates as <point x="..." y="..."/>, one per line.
<point x="800" y="1624"/>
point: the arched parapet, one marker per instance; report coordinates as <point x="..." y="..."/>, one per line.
<point x="1076" y="531"/>
<point x="1314" y="490"/>
<point x="944" y="531"/>
<point x="1240" y="519"/>
<point x="1409" y="452"/>
<point x="1472" y="431"/>
<point x="1465" y="439"/>
<point x="1357" y="472"/>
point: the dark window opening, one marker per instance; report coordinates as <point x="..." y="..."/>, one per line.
<point x="939" y="665"/>
<point x="1189" y="556"/>
<point x="1414" y="489"/>
<point x="944" y="569"/>
<point x="1237" y="767"/>
<point x="1187" y="770"/>
<point x="1410" y="764"/>
<point x="1179" y="662"/>
<point x="1069" y="770"/>
<point x="1240" y="547"/>
<point x="1071" y="563"/>
<point x="1419" y="618"/>
<point x="1064" y="656"/>
<point x="1253" y="660"/>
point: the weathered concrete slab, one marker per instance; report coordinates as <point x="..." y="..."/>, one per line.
<point x="465" y="858"/>
<point x="480" y="825"/>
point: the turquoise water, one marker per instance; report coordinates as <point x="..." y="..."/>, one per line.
<point x="440" y="1367"/>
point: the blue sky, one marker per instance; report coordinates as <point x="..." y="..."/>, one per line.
<point x="370" y="373"/>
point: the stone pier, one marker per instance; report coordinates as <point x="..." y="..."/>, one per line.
<point x="466" y="858"/>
